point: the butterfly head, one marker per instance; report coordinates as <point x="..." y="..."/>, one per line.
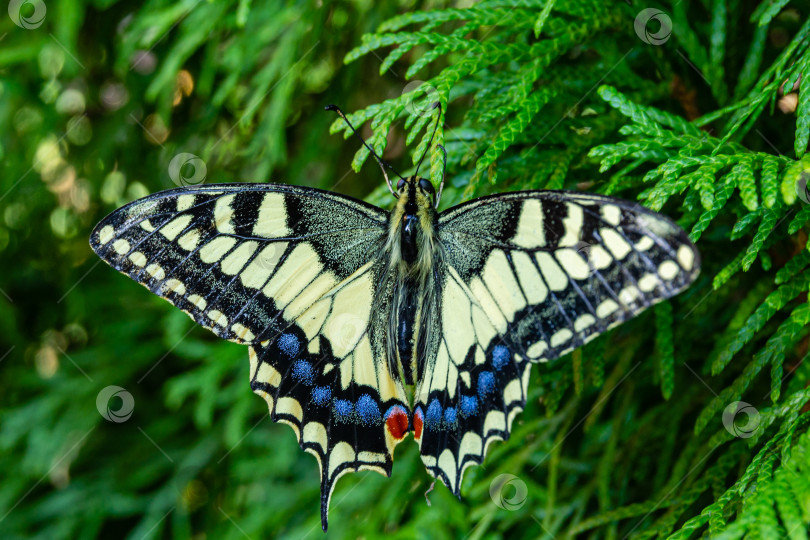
<point x="413" y="225"/>
<point x="416" y="191"/>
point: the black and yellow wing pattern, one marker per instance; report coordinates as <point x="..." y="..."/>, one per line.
<point x="528" y="277"/>
<point x="307" y="279"/>
<point x="266" y="266"/>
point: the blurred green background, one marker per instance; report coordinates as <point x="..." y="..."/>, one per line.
<point x="98" y="97"/>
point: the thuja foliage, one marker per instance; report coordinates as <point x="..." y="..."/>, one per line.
<point x="690" y="421"/>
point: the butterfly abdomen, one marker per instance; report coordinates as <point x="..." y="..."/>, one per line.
<point x="406" y="323"/>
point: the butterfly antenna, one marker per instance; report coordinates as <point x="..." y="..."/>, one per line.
<point x="436" y="105"/>
<point x="382" y="163"/>
<point x="444" y="172"/>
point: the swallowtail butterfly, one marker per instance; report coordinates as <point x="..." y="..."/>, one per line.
<point x="365" y="326"/>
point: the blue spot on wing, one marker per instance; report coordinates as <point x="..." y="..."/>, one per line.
<point x="343" y="409"/>
<point x="500" y="357"/>
<point x="302" y="371"/>
<point x="321" y="395"/>
<point x="450" y="416"/>
<point x="433" y="417"/>
<point x="288" y="344"/>
<point x="368" y="410"/>
<point x="486" y="383"/>
<point x="469" y="405"/>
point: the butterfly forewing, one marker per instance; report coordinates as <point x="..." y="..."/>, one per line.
<point x="528" y="277"/>
<point x="236" y="256"/>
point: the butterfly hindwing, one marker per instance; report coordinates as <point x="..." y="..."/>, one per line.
<point x="332" y="385"/>
<point x="472" y="391"/>
<point x="530" y="276"/>
<point x="294" y="273"/>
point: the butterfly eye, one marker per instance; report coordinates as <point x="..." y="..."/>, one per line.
<point x="401" y="184"/>
<point x="426" y="186"/>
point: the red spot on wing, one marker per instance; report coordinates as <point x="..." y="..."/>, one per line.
<point x="417" y="423"/>
<point x="397" y="422"/>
